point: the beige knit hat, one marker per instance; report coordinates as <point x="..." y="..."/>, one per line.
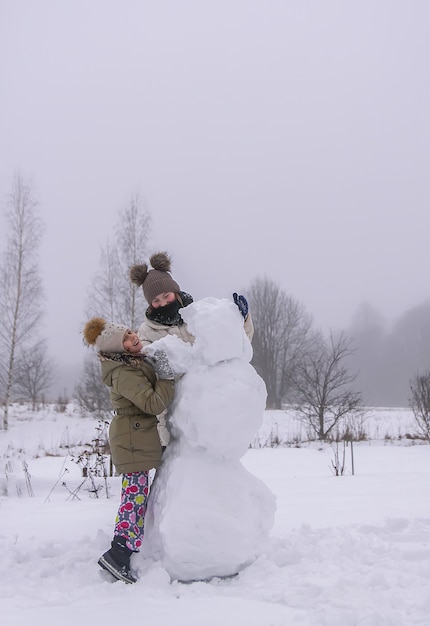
<point x="106" y="336"/>
<point x="155" y="281"/>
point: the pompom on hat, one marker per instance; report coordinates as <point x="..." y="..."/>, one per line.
<point x="106" y="336"/>
<point x="157" y="280"/>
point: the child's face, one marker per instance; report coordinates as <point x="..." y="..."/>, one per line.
<point x="131" y="342"/>
<point x="162" y="299"/>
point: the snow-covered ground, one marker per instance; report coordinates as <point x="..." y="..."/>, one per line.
<point x="352" y="550"/>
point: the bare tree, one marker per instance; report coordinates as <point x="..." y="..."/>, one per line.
<point x="20" y="285"/>
<point x="104" y="288"/>
<point x="283" y="334"/>
<point x="34" y="373"/>
<point x="368" y="330"/>
<point x="420" y="401"/>
<point x="112" y="295"/>
<point x="91" y="393"/>
<point x="323" y="385"/>
<point x="407" y="351"/>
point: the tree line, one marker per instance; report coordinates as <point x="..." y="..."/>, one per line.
<point x="327" y="378"/>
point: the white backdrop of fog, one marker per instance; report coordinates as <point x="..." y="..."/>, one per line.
<point x="272" y="138"/>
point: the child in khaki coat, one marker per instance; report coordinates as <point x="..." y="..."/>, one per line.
<point x="140" y="388"/>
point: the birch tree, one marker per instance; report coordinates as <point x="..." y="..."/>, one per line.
<point x="111" y="293"/>
<point x="20" y="285"/>
<point x="113" y="296"/>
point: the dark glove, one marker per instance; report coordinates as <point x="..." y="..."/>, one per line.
<point x="160" y="363"/>
<point x="241" y="303"/>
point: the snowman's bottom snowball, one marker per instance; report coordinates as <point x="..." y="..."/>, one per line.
<point x="213" y="520"/>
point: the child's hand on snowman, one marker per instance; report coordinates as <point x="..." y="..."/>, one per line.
<point x="160" y="363"/>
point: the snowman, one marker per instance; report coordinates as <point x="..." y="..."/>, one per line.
<point x="208" y="516"/>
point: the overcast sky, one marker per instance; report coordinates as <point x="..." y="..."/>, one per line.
<point x="287" y="139"/>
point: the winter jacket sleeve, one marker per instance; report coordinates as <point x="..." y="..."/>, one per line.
<point x="143" y="335"/>
<point x="138" y="389"/>
<point x="248" y="326"/>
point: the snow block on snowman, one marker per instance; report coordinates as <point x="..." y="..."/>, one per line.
<point x="207" y="515"/>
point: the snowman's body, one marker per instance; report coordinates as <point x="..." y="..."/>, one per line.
<point x="208" y="516"/>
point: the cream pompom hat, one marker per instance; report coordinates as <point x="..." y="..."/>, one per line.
<point x="106" y="336"/>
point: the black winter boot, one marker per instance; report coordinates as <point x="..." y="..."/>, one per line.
<point x="116" y="561"/>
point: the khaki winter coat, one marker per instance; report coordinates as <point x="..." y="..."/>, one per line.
<point x="137" y="397"/>
<point x="150" y="331"/>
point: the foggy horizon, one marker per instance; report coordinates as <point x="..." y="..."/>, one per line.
<point x="274" y="139"/>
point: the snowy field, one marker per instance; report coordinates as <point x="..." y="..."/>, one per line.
<point x="352" y="550"/>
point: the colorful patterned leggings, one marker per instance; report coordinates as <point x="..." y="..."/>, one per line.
<point x="130" y="519"/>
